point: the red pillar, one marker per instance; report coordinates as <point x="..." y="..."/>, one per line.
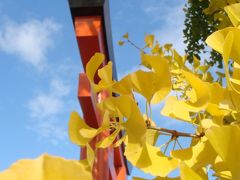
<point x="109" y="163"/>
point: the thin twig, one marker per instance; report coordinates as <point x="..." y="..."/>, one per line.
<point x="166" y="147"/>
<point x="176" y="133"/>
<point x="134" y="45"/>
<point x="174" y="145"/>
<point x="179" y="144"/>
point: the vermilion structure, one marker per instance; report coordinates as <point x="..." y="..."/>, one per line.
<point x="93" y="33"/>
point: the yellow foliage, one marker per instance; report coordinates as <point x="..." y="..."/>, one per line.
<point x="48" y="168"/>
<point x="213" y="110"/>
<point x="225" y="141"/>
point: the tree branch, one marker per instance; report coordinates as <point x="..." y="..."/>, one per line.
<point x="175" y="133"/>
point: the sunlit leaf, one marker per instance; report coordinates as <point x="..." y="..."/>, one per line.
<point x="157" y="178"/>
<point x="79" y="132"/>
<point x="120" y="141"/>
<point x="168" y="47"/>
<point x="225" y="141"/>
<point x="233" y="12"/>
<point x="161" y="81"/>
<point x="93" y="65"/>
<point x="128" y="109"/>
<point x="48" y="168"/>
<point x="104" y="73"/>
<point x="90" y="156"/>
<point x="126" y="36"/>
<point x="187" y="173"/>
<point x="156" y="49"/>
<point x="152" y="136"/>
<point x="221" y="169"/>
<point x="201" y="90"/>
<point x="178" y="58"/>
<point x="141" y="79"/>
<point x="150" y="159"/>
<point x="124" y="86"/>
<point x="156" y="62"/>
<point x="217" y="41"/>
<point x="149" y="40"/>
<point x="207" y="123"/>
<point x="197" y="156"/>
<point x="173" y="108"/>
<point x="120" y="43"/>
<point x="196" y="62"/>
<point x="107" y="141"/>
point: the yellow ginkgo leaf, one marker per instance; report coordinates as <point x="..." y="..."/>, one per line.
<point x="201" y="90"/>
<point x="150" y="160"/>
<point x="141" y="79"/>
<point x="149" y="40"/>
<point x="107" y="141"/>
<point x="156" y="62"/>
<point x="217" y="95"/>
<point x="136" y="136"/>
<point x="104" y="73"/>
<point x="233" y="12"/>
<point x="168" y="47"/>
<point x="158" y="86"/>
<point x="207" y="123"/>
<point x="196" y="62"/>
<point x="173" y="108"/>
<point x="120" y="43"/>
<point x="48" y="168"/>
<point x="225" y="141"/>
<point x="90" y="156"/>
<point x="126" y="36"/>
<point x="79" y="132"/>
<point x="231" y="101"/>
<point x="197" y="156"/>
<point x="124" y="86"/>
<point x="187" y="173"/>
<point x="152" y="136"/>
<point x="120" y="141"/>
<point x="179" y="59"/>
<point x="93" y="65"/>
<point x="221" y="169"/>
<point x="157" y="49"/>
<point x="217" y="41"/>
<point x="162" y="81"/>
<point x="128" y="108"/>
<point x="157" y="178"/>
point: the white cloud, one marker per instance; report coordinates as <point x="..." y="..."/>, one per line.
<point x="170" y="18"/>
<point x="46" y="109"/>
<point x="50" y="129"/>
<point x="29" y="40"/>
<point x="59" y="88"/>
<point x="45" y="105"/>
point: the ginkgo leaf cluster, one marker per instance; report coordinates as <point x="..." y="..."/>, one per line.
<point x="191" y="94"/>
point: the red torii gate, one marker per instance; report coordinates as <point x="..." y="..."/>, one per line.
<point x="93" y="32"/>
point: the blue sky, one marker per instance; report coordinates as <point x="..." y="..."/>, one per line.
<point x="40" y="63"/>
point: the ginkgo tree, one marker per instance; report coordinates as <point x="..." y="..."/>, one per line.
<point x="200" y="99"/>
